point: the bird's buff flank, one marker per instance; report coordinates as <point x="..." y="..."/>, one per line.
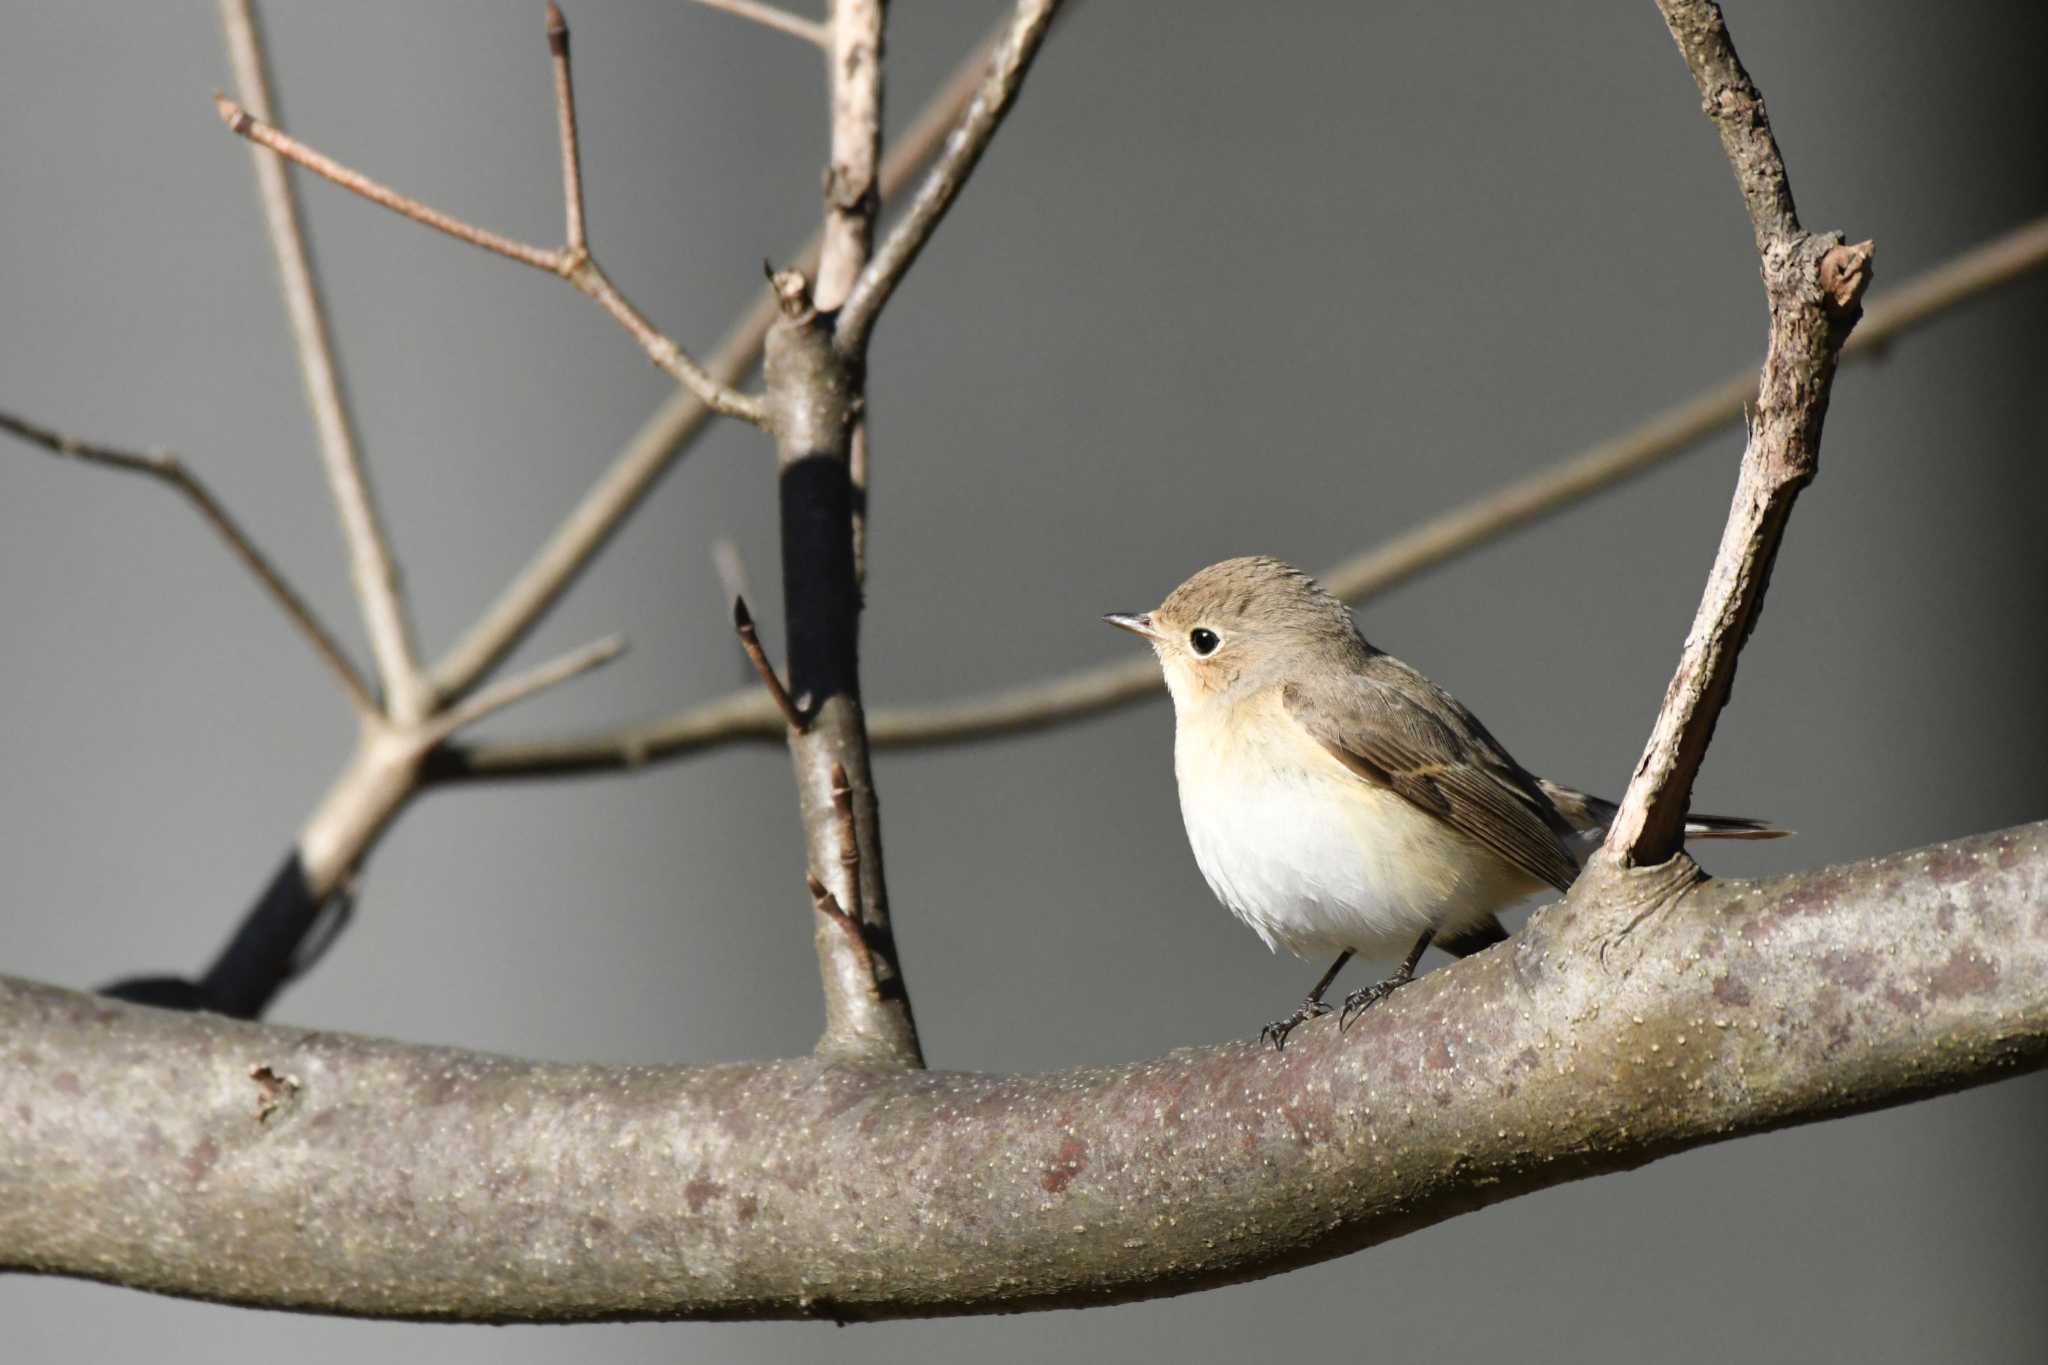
<point x="1339" y="801"/>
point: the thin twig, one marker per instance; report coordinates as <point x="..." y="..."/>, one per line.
<point x="1086" y="692"/>
<point x="372" y="567"/>
<point x="519" y="687"/>
<point x="827" y="904"/>
<point x="750" y="640"/>
<point x="565" y="119"/>
<point x="171" y="470"/>
<point x="591" y="524"/>
<point x="1815" y="286"/>
<point x="574" y="264"/>
<point x="943" y="183"/>
<point x="260" y="131"/>
<point x="810" y="30"/>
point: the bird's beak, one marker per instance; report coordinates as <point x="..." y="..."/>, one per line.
<point x="1140" y="624"/>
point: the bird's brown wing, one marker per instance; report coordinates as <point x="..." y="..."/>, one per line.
<point x="1423" y="746"/>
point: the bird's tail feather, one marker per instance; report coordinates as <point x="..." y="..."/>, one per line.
<point x="1590" y="816"/>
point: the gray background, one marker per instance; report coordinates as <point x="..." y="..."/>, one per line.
<point x="1236" y="278"/>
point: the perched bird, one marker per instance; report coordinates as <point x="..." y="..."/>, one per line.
<point x="1339" y="801"/>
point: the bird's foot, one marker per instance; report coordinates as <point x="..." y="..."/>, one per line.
<point x="1359" y="1001"/>
<point x="1278" y="1030"/>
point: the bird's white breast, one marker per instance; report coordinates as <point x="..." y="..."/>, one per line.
<point x="1314" y="858"/>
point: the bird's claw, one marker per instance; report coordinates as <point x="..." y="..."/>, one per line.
<point x="1278" y="1030"/>
<point x="1363" y="999"/>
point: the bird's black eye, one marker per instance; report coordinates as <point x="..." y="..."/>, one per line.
<point x="1203" y="640"/>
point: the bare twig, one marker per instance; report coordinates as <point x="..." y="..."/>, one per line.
<point x="750" y="641"/>
<point x="667" y="433"/>
<point x="1104" y="687"/>
<point x="828" y="908"/>
<point x="731" y="569"/>
<point x="371" y="565"/>
<point x="964" y="147"/>
<point x="518" y="688"/>
<point x="171" y="470"/>
<point x="1815" y="285"/>
<point x="260" y="132"/>
<point x="573" y="262"/>
<point x="565" y="120"/>
<point x="810" y="30"/>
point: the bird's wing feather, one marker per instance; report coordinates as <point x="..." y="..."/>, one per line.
<point x="1439" y="759"/>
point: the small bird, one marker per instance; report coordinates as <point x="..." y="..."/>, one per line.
<point x="1339" y="801"/>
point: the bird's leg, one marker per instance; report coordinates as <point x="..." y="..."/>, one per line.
<point x="1311" y="1007"/>
<point x="1359" y="1001"/>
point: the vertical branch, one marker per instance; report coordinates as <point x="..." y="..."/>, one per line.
<point x="850" y="179"/>
<point x="573" y="239"/>
<point x="815" y="396"/>
<point x="1815" y="286"/>
<point x="371" y="567"/>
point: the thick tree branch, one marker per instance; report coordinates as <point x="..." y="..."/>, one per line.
<point x="403" y="1181"/>
<point x="169" y="469"/>
<point x="371" y="566"/>
<point x="1815" y="287"/>
<point x="747" y="715"/>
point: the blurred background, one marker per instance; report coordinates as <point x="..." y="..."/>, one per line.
<point x="1234" y="279"/>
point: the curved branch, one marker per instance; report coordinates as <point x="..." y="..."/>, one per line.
<point x="378" y="1179"/>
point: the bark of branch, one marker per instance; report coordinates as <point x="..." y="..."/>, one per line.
<point x="744" y="716"/>
<point x="1815" y="287"/>
<point x="389" y="1180"/>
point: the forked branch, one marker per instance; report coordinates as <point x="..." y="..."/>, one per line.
<point x="1007" y="66"/>
<point x="662" y="438"/>
<point x="572" y="261"/>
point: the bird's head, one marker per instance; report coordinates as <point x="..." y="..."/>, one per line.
<point x="1241" y="625"/>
